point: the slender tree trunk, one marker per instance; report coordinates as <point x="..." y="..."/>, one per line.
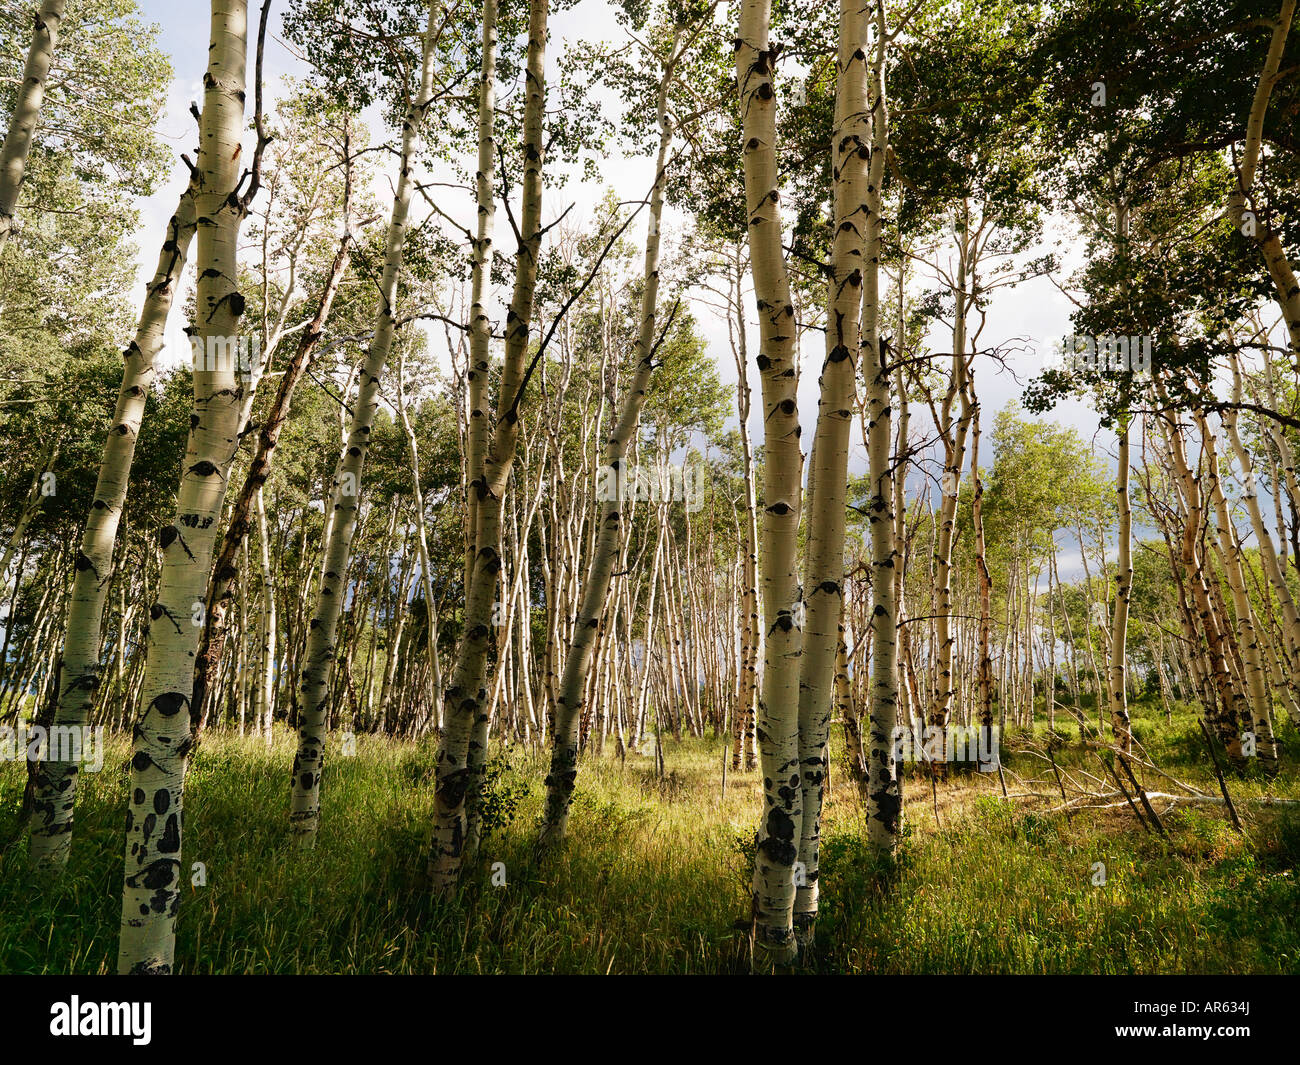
<point x="569" y="705"/>
<point x="954" y="445"/>
<point x="27" y="110"/>
<point x="984" y="666"/>
<point x="1273" y="570"/>
<point x="1231" y="706"/>
<point x="1118" y="693"/>
<point x="480" y="331"/>
<point x="422" y="540"/>
<point x="780" y="828"/>
<point x="151" y="887"/>
<point x="744" y="751"/>
<point x="225" y="571"/>
<point x="465" y="700"/>
<point x="828" y="480"/>
<point x="320" y="653"/>
<point x="885" y="809"/>
<point x="1248" y="626"/>
<point x="265" y="701"/>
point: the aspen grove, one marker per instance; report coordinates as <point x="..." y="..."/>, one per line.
<point x="649" y="486"/>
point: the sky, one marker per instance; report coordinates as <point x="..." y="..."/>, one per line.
<point x="1034" y="314"/>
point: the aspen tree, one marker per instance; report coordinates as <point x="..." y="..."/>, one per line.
<point x="480" y="331"/>
<point x="984" y="665"/>
<point x="151" y="886"/>
<point x="884" y="811"/>
<point x="225" y="571"/>
<point x="1117" y="691"/>
<point x="1117" y="674"/>
<point x="1232" y="706"/>
<point x="1267" y="551"/>
<point x="321" y="650"/>
<point x="422" y="535"/>
<point x="1241" y="200"/>
<point x="1247" y="624"/>
<point x="852" y="213"/>
<point x="56" y="782"/>
<point x="31" y="508"/>
<point x="780" y="827"/>
<point x="465" y="700"/>
<point x="27" y="110"/>
<point x="953" y="433"/>
<point x="743" y="752"/>
<point x="569" y="703"/>
<point x="265" y="697"/>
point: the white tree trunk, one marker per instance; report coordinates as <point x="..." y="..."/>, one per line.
<point x="27" y="110"/>
<point x="780" y="828"/>
<point x="56" y="782"/>
<point x="151" y="888"/>
<point x="319" y="658"/>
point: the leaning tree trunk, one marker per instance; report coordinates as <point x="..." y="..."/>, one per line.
<point x="1240" y="202"/>
<point x="151" y="888"/>
<point x="780" y="828"/>
<point x="27" y="111"/>
<point x="1268" y="554"/>
<point x="1231" y="707"/>
<point x="824" y="568"/>
<point x="1248" y="625"/>
<point x="320" y="654"/>
<point x="225" y="571"/>
<point x="56" y="782"/>
<point x="1118" y="673"/>
<point x="613" y="475"/>
<point x="465" y="700"/>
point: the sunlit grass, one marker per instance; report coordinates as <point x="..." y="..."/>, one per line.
<point x="654" y="876"/>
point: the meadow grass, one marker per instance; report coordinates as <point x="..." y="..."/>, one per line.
<point x="654" y="876"/>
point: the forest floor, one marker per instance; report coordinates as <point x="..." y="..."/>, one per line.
<point x="654" y="877"/>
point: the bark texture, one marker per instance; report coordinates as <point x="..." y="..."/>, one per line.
<point x="824" y="581"/>
<point x="56" y="782"/>
<point x="780" y="827"/>
<point x="151" y="886"/>
<point x="465" y="702"/>
<point x="27" y="110"/>
<point x="320" y="654"/>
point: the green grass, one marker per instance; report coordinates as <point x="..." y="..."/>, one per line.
<point x="654" y="878"/>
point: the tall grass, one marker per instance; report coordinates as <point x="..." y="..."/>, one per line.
<point x="654" y="877"/>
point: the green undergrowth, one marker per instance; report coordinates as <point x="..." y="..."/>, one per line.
<point x="654" y="874"/>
